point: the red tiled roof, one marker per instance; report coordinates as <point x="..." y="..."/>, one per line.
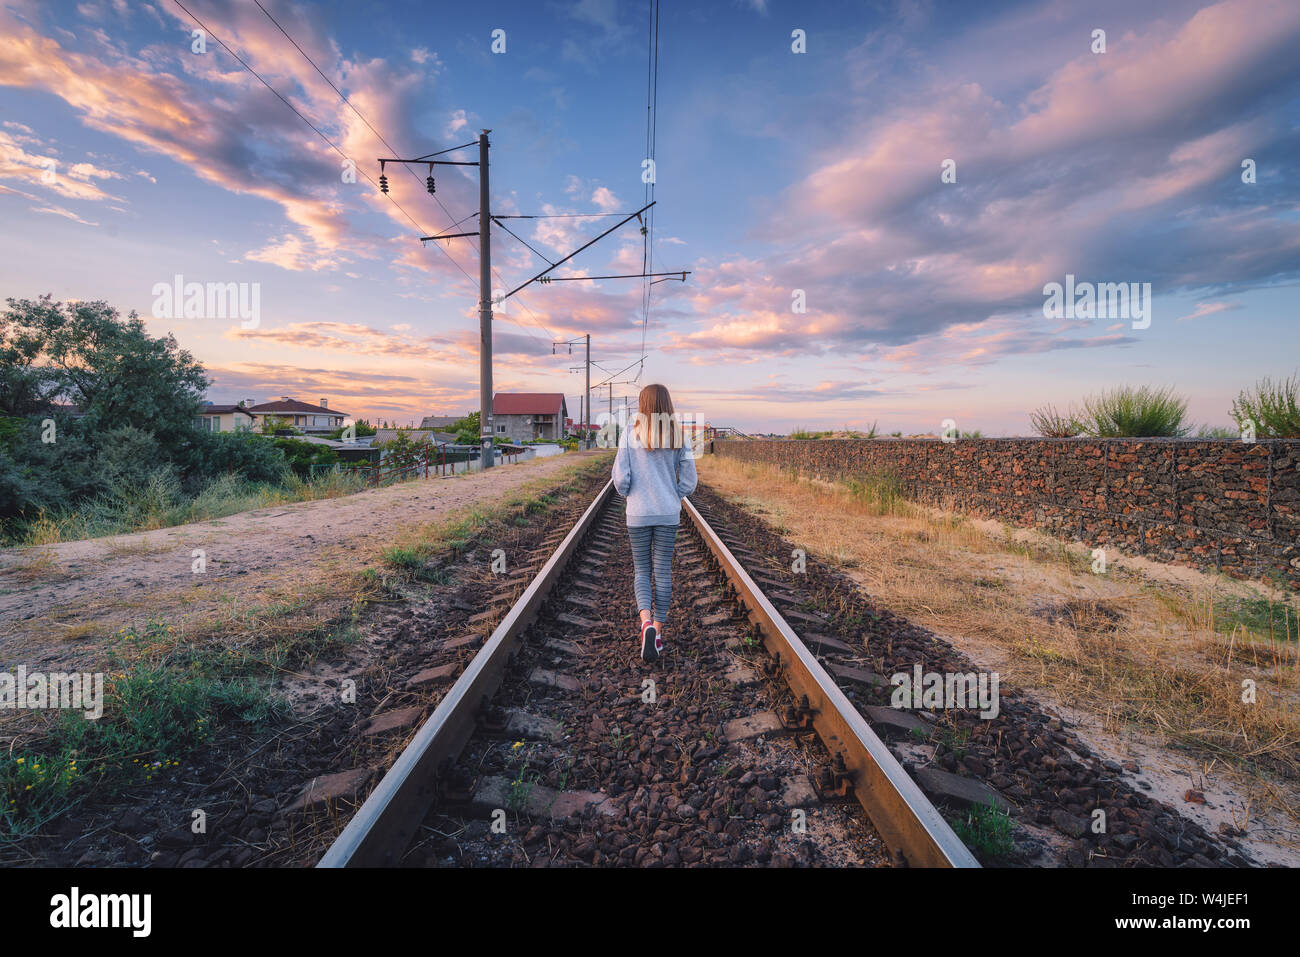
<point x="527" y="403"/>
<point x="292" y="405"/>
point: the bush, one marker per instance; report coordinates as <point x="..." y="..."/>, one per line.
<point x="1129" y="412"/>
<point x="48" y="475"/>
<point x="301" y="455"/>
<point x="244" y="454"/>
<point x="1051" y="424"/>
<point x="127" y="459"/>
<point x="1272" y="407"/>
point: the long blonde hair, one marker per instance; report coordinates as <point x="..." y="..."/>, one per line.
<point x="656" y="425"/>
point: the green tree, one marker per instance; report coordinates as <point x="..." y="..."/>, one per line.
<point x="110" y="368"/>
<point x="54" y="354"/>
<point x="468" y="430"/>
<point x="402" y="452"/>
<point x="360" y="427"/>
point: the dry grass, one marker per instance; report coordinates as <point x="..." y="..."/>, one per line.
<point x="276" y="603"/>
<point x="34" y="565"/>
<point x="1133" y="651"/>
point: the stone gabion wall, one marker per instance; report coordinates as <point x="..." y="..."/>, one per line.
<point x="1225" y="505"/>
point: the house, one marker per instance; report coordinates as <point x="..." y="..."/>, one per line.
<point x="577" y="428"/>
<point x="302" y="416"/>
<point x="415" y="435"/>
<point x="525" y="416"/>
<point x="224" y="418"/>
<point x="441" y="423"/>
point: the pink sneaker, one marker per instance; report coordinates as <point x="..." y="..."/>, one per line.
<point x="652" y="645"/>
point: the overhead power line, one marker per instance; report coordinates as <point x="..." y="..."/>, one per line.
<point x="652" y="129"/>
<point x="561" y="216"/>
<point x="632" y="275"/>
<point x="381" y="138"/>
<point x="575" y="252"/>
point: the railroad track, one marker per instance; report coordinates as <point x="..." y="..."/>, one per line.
<point x="556" y="743"/>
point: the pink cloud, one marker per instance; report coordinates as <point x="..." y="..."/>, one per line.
<point x="1209" y="309"/>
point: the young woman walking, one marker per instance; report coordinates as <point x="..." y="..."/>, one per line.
<point x="653" y="470"/>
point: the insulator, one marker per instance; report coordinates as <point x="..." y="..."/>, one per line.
<point x="429" y="185"/>
<point x="383" y="183"/>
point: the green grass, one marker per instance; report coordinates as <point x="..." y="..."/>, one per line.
<point x="521" y="788"/>
<point x="156" y="714"/>
<point x="881" y="491"/>
<point x="1260" y="616"/>
<point x="407" y="558"/>
<point x="1217" y="433"/>
<point x="986" y="831"/>
<point x="1051" y="424"/>
<point x="1128" y="412"/>
<point x="1272" y="406"/>
<point x="954" y="740"/>
<point x="164" y="697"/>
<point x="802" y="433"/>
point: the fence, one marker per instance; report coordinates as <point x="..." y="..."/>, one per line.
<point x="1227" y="505"/>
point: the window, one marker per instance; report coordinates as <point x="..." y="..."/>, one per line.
<point x="501" y="428"/>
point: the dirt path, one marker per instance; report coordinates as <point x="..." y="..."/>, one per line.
<point x="54" y="594"/>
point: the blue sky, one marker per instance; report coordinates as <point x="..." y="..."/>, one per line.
<point x="777" y="172"/>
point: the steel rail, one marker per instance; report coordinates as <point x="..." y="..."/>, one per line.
<point x="385" y="824"/>
<point x="908" y="823"/>
<point x="382" y="828"/>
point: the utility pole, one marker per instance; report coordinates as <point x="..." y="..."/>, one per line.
<point x="484" y="273"/>
<point x="584" y="409"/>
<point x="611" y="400"/>
<point x="486" y="428"/>
<point x="485" y="303"/>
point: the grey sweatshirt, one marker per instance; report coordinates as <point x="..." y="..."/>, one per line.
<point x="653" y="481"/>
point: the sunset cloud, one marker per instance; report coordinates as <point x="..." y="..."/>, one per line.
<point x="785" y="182"/>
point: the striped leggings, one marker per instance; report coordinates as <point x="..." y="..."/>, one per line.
<point x="652" y="556"/>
